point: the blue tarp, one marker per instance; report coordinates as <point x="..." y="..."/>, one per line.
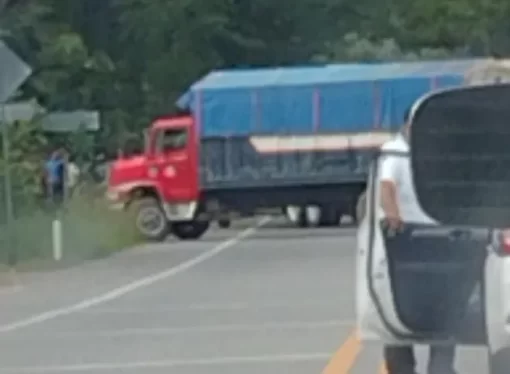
<point x="330" y="98"/>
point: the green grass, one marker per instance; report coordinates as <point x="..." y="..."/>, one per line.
<point x="90" y="231"/>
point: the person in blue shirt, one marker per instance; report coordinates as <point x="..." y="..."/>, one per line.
<point x="55" y="175"/>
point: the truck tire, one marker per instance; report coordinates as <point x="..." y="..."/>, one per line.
<point x="313" y="215"/>
<point x="292" y="213"/>
<point x="190" y="230"/>
<point x="150" y="219"/>
<point x="302" y="218"/>
<point x="224" y="223"/>
<point x="330" y="217"/>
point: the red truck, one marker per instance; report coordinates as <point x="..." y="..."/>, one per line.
<point x="268" y="139"/>
<point x="161" y="184"/>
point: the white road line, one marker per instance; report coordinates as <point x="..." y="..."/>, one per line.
<point x="213" y="307"/>
<point x="152" y="248"/>
<point x="292" y="325"/>
<point x="125" y="366"/>
<point x="133" y="286"/>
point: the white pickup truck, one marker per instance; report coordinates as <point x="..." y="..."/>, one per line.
<point x="448" y="283"/>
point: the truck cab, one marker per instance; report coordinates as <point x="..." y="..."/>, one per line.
<point x="160" y="184"/>
<point x="172" y="162"/>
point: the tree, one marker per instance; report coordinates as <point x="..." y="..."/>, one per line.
<point x="353" y="47"/>
<point x="28" y="148"/>
<point x="131" y="59"/>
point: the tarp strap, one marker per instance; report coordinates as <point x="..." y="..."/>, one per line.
<point x="316" y="109"/>
<point x="198" y="113"/>
<point x="434" y="84"/>
<point x="377" y="105"/>
<point x="255" y="109"/>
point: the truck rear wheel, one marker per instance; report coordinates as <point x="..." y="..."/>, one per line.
<point x="313" y="215"/>
<point x="292" y="213"/>
<point x="330" y="217"/>
<point x="150" y="220"/>
<point x="190" y="230"/>
<point x="302" y="218"/>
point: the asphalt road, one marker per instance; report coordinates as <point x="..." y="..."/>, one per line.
<point x="248" y="300"/>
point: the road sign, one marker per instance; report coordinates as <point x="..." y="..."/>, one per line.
<point x="3" y="3"/>
<point x="62" y="122"/>
<point x="13" y="72"/>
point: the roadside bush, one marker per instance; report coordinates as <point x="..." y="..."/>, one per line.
<point x="90" y="230"/>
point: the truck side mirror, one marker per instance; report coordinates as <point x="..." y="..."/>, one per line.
<point x="146" y="140"/>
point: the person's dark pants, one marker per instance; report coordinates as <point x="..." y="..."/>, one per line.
<point x="401" y="360"/>
<point x="57" y="193"/>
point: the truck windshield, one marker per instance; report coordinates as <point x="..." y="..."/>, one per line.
<point x="172" y="140"/>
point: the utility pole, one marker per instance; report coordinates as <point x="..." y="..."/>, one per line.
<point x="9" y="209"/>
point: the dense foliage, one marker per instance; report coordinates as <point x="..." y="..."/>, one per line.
<point x="131" y="58"/>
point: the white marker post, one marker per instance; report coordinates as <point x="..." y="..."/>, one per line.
<point x="57" y="239"/>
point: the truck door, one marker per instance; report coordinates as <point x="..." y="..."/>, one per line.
<point x="175" y="164"/>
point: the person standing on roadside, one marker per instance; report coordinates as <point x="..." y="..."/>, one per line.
<point x="400" y="205"/>
<point x="72" y="176"/>
<point x="55" y="176"/>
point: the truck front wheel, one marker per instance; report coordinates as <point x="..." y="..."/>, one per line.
<point x="150" y="219"/>
<point x="190" y="230"/>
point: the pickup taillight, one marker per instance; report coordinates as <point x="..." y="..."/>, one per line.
<point x="503" y="241"/>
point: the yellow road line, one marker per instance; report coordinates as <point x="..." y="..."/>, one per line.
<point x="345" y="357"/>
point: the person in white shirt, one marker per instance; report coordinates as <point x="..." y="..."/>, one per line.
<point x="73" y="176"/>
<point x="400" y="205"/>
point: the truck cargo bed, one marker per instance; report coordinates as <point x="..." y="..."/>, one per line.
<point x="235" y="163"/>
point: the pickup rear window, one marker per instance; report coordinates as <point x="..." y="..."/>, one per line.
<point x="460" y="150"/>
